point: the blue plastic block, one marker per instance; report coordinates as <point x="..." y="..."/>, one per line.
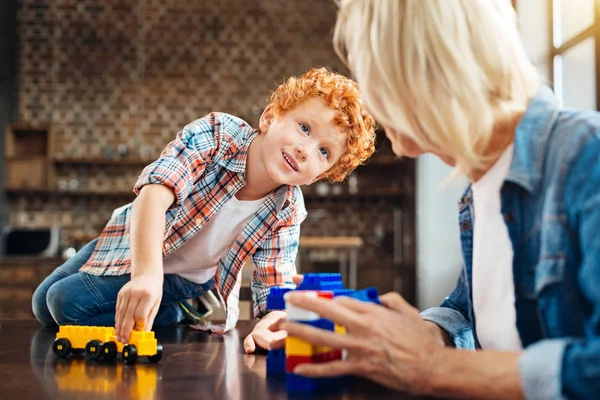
<point x="275" y="298"/>
<point x="276" y="362"/>
<point x="320" y="323"/>
<point x="342" y="292"/>
<point x="321" y="282"/>
<point x="295" y="382"/>
<point x="368" y="295"/>
<point x="299" y="383"/>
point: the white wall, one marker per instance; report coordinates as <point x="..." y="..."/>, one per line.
<point x="438" y="247"/>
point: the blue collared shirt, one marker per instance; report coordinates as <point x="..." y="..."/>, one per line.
<point x="551" y="207"/>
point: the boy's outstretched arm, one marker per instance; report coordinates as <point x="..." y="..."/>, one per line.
<point x="139" y="299"/>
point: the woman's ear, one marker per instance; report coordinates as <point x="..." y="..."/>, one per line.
<point x="266" y="119"/>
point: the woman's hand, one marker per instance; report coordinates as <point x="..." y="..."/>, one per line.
<point x="391" y="345"/>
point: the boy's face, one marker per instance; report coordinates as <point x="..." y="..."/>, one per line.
<point x="302" y="144"/>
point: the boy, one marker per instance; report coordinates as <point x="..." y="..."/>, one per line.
<point x="219" y="193"/>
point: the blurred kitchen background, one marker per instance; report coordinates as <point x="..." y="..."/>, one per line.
<point x="92" y="91"/>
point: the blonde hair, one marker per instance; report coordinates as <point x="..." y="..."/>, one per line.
<point x="449" y="70"/>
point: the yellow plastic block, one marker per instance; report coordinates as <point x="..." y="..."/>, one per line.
<point x="144" y="341"/>
<point x="339" y="329"/>
<point x="80" y="335"/>
<point x="299" y="347"/>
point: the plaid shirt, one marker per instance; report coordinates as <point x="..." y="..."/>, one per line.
<point x="205" y="166"/>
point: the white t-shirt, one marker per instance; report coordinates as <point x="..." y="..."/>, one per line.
<point x="197" y="259"/>
<point x="493" y="284"/>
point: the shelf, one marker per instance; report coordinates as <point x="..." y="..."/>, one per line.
<point x="348" y="196"/>
<point x="117" y="194"/>
<point x="133" y="162"/>
<point x="57" y="193"/>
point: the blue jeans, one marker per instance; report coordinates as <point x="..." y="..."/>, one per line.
<point x="70" y="297"/>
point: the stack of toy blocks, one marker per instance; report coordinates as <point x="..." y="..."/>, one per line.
<point x="298" y="351"/>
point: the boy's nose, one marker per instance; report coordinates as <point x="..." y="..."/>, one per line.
<point x="301" y="154"/>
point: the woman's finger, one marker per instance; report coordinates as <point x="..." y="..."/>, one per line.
<point x="321" y="337"/>
<point x="326" y="308"/>
<point x="395" y="302"/>
<point x="328" y="369"/>
<point x="356" y="305"/>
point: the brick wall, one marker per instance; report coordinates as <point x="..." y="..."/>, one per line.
<point x="116" y="73"/>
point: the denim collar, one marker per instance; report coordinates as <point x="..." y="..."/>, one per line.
<point x="531" y="140"/>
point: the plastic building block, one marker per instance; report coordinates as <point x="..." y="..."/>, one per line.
<point x="321" y="323"/>
<point x="321" y="282"/>
<point x="275" y="298"/>
<point x="295" y="313"/>
<point x="342" y="292"/>
<point x="299" y="383"/>
<point x="298" y="351"/>
<point x="368" y="295"/>
<point x="299" y="347"/>
<point x="276" y="362"/>
<point x="291" y="361"/>
<point x="100" y="342"/>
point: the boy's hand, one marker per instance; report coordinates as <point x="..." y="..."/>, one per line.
<point x="137" y="304"/>
<point x="267" y="334"/>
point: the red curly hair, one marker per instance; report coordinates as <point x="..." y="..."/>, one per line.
<point x="343" y="96"/>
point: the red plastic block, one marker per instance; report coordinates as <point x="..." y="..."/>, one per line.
<point x="292" y="361"/>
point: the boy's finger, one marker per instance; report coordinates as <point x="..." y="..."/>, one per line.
<point x="153" y="313"/>
<point x="278" y="343"/>
<point x="128" y="321"/>
<point x="122" y="305"/>
<point x="249" y="345"/>
<point x="297" y="279"/>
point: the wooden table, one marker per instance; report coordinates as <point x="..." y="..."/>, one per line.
<point x="196" y="365"/>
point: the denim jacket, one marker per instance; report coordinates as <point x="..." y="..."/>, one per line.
<point x="551" y="206"/>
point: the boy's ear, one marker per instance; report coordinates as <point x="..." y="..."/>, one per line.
<point x="266" y="119"/>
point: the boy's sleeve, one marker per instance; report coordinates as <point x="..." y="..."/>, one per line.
<point x="183" y="161"/>
<point x="453" y="316"/>
<point x="275" y="264"/>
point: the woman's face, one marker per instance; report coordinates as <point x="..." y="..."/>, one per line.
<point x="403" y="145"/>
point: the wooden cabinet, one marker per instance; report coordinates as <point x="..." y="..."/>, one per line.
<point x="28" y="154"/>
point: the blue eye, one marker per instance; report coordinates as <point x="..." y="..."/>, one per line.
<point x="304" y="128"/>
<point x="324" y="152"/>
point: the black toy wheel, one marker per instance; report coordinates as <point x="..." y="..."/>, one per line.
<point x="158" y="356"/>
<point x="130" y="354"/>
<point x="109" y="351"/>
<point x="93" y="349"/>
<point x="61" y="347"/>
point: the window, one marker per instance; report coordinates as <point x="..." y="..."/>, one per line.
<point x="575" y="49"/>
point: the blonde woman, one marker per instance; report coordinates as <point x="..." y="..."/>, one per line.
<point x="451" y="77"/>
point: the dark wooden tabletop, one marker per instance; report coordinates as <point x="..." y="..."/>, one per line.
<point x="196" y="365"/>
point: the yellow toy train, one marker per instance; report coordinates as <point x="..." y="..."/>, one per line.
<point x="100" y="343"/>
